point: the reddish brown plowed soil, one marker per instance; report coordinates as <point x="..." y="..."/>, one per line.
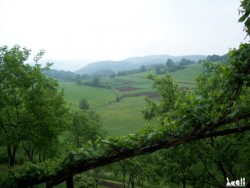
<point x="152" y="95"/>
<point x="125" y="89"/>
<point x="186" y="83"/>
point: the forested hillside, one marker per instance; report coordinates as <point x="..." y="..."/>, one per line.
<point x="134" y="63"/>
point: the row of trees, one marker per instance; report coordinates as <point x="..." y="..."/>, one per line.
<point x="61" y="75"/>
<point x="171" y="66"/>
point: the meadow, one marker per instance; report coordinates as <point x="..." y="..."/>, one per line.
<point x="121" y="106"/>
<point x="96" y="96"/>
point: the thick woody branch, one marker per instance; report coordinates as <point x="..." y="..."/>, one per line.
<point x="92" y="163"/>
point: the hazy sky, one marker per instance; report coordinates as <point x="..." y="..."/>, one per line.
<point x="78" y="31"/>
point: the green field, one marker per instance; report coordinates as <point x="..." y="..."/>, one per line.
<point x="186" y="77"/>
<point x="124" y="116"/>
<point x="96" y="96"/>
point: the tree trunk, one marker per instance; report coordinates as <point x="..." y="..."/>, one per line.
<point x="142" y="183"/>
<point x="222" y="169"/>
<point x="11" y="154"/>
<point x="29" y="149"/>
<point x="132" y="182"/>
<point x="123" y="176"/>
<point x="96" y="175"/>
<point x="48" y="185"/>
<point x="184" y="182"/>
<point x="70" y="182"/>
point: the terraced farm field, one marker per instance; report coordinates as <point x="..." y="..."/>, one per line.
<point x="121" y="106"/>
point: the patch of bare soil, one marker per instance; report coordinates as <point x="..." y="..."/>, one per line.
<point x="110" y="184"/>
<point x="152" y="95"/>
<point x="125" y="89"/>
<point x="184" y="88"/>
<point x="191" y="83"/>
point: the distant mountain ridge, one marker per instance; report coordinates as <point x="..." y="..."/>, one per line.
<point x="133" y="63"/>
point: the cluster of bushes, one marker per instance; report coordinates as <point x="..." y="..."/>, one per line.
<point x="217" y="58"/>
<point x="65" y="76"/>
<point x="92" y="81"/>
<point x="172" y="66"/>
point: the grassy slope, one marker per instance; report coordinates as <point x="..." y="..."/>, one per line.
<point x="121" y="118"/>
<point x="186" y="77"/>
<point x="95" y="96"/>
<point x="137" y="80"/>
<point x="124" y="117"/>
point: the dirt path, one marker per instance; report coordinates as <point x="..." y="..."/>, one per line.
<point x="110" y="184"/>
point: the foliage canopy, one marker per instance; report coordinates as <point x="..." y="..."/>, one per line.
<point x="32" y="111"/>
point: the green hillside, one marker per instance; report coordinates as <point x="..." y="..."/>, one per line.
<point x="186" y="77"/>
<point x="96" y="96"/>
<point x="121" y="106"/>
<point x="124" y="117"/>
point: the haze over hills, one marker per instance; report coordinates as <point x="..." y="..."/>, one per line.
<point x="133" y="63"/>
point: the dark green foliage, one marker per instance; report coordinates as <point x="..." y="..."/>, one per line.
<point x="217" y="58"/>
<point x="160" y="69"/>
<point x="86" y="127"/>
<point x="96" y="82"/>
<point x="220" y="93"/>
<point x="245" y="12"/>
<point x="93" y="81"/>
<point x="171" y="66"/>
<point x="169" y="63"/>
<point x="104" y="73"/>
<point x="32" y="111"/>
<point x="78" y="79"/>
<point x="61" y="75"/>
<point x="83" y="104"/>
<point x="84" y="180"/>
<point x="143" y="68"/>
<point x="204" y="163"/>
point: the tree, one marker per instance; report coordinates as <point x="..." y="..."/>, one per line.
<point x="185" y="61"/>
<point x="245" y="12"/>
<point x="83" y="104"/>
<point x="86" y="127"/>
<point x="217" y="58"/>
<point x="143" y="68"/>
<point x="96" y="82"/>
<point x="160" y="69"/>
<point x="215" y="99"/>
<point x="169" y="63"/>
<point x="78" y="79"/>
<point x="32" y="110"/>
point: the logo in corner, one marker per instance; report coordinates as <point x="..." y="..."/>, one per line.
<point x="236" y="183"/>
